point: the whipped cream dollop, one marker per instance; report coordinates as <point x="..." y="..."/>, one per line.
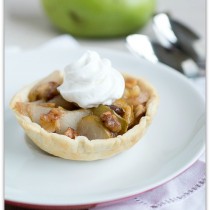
<point x="91" y="81"/>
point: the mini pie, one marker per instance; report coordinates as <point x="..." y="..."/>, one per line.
<point x="63" y="129"/>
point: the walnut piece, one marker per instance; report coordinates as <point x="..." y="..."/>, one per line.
<point x="130" y="82"/>
<point x="111" y="121"/>
<point x="44" y="91"/>
<point x="71" y="133"/>
<point x="139" y="111"/>
<point x="141" y="99"/>
<point x="50" y="121"/>
<point x="134" y="91"/>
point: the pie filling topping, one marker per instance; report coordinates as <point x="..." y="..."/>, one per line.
<point x="101" y="104"/>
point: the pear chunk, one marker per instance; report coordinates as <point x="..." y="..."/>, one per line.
<point x="67" y="118"/>
<point x="91" y="127"/>
<point x="72" y="118"/>
<point x="60" y="101"/>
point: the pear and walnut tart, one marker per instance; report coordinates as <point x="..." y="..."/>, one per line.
<point x="66" y="130"/>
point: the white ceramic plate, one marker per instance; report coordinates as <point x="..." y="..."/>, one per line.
<point x="172" y="143"/>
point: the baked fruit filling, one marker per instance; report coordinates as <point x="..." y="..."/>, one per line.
<point x="46" y="107"/>
<point x="88" y="111"/>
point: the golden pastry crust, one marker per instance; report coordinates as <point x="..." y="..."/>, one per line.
<point x="81" y="148"/>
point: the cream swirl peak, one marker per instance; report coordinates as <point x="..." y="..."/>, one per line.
<point x="91" y="81"/>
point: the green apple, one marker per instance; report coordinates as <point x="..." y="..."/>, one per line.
<point x="99" y="18"/>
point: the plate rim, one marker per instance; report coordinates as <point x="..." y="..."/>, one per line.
<point x="94" y="204"/>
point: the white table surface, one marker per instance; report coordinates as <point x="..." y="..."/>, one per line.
<point x="26" y="25"/>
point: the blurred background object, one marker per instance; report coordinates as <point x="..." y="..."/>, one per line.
<point x="104" y="18"/>
<point x="173" y="34"/>
<point x="27" y="25"/>
<point x="154" y="52"/>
